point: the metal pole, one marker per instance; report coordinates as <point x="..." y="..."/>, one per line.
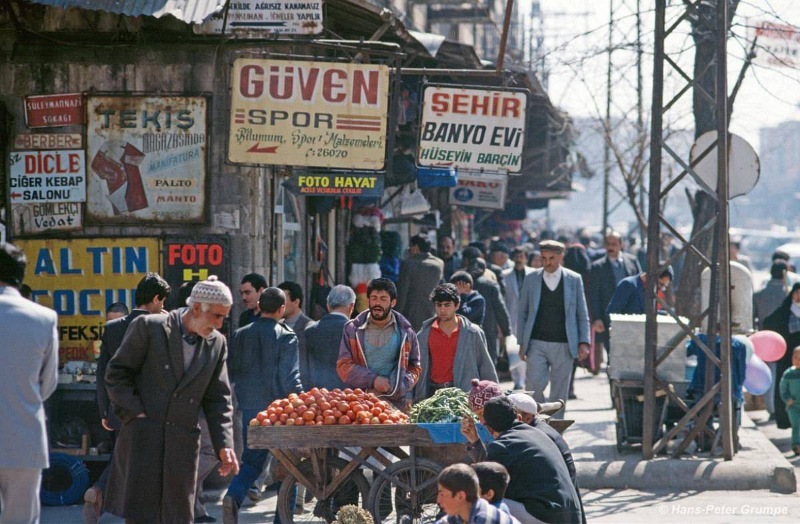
<point x="640" y="93"/>
<point x="607" y="125"/>
<point x="725" y="415"/>
<point x="653" y="244"/>
<point x="504" y="37"/>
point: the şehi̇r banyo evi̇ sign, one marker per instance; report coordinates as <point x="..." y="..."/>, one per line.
<point x="472" y="128"/>
<point x="312" y="114"/>
<point x="147" y="158"/>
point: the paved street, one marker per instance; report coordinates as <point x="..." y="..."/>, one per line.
<point x="593" y="441"/>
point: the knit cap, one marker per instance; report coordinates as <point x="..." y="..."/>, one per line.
<point x="211" y="291"/>
<point x="481" y="392"/>
<point x="524" y="403"/>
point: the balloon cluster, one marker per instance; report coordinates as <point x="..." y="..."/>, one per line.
<point x="762" y="346"/>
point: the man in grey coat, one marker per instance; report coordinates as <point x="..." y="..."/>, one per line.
<point x="28" y="376"/>
<point x="452" y="349"/>
<point x="553" y="323"/>
<point x="168" y="368"/>
<point x="323" y="338"/>
<point x="419" y="274"/>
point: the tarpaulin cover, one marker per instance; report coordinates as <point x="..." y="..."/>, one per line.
<point x="450" y="433"/>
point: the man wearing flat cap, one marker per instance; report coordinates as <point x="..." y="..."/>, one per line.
<point x="553" y="324"/>
<point x="168" y="368"/>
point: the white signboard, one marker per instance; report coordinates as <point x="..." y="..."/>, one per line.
<point x="47" y="176"/>
<point x="479" y="129"/>
<point x="778" y="44"/>
<point x="480" y="191"/>
<point x="40" y="218"/>
<point x="254" y="19"/>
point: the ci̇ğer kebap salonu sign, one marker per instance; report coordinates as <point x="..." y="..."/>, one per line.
<point x="312" y="114"/>
<point x="472" y="128"/>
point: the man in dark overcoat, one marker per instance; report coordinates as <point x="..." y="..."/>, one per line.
<point x="168" y="367"/>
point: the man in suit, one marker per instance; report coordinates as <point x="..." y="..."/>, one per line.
<point x="514" y="278"/>
<point x="168" y="368"/>
<point x="297" y="320"/>
<point x="451" y="259"/>
<point x="28" y="376"/>
<point x="264" y="367"/>
<point x="419" y="274"/>
<point x="605" y="274"/>
<point x="250" y="289"/>
<point x="151" y="292"/>
<point x="553" y="323"/>
<point x="323" y="338"/>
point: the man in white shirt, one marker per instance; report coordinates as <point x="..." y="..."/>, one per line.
<point x="553" y="325"/>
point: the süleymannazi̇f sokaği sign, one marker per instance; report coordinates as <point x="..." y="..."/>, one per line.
<point x="312" y="114"/>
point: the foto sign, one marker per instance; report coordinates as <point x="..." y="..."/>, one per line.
<point x="255" y="19"/>
<point x="480" y="190"/>
<point x="312" y="114"/>
<point x="471" y="128"/>
<point x="340" y="184"/>
<point x="54" y="110"/>
<point x="47" y="176"/>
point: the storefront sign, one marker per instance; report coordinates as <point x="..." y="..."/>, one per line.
<point x="80" y="278"/>
<point x="195" y="258"/>
<point x="339" y="184"/>
<point x="478" y="129"/>
<point x="479" y="191"/>
<point x="48" y="141"/>
<point x="54" y="110"/>
<point x="255" y="19"/>
<point x="29" y="219"/>
<point x="147" y="158"/>
<point x="778" y="44"/>
<point x="47" y="176"/>
<point x="309" y="114"/>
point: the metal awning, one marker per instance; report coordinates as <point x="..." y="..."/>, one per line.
<point x="189" y="11"/>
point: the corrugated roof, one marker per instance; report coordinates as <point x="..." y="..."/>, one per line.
<point x="190" y="11"/>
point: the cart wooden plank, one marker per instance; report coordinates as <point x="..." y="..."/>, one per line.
<point x="360" y="435"/>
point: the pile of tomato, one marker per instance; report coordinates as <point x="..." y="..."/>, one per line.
<point x="318" y="406"/>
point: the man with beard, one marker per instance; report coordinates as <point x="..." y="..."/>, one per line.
<point x="379" y="349"/>
<point x="168" y="368"/>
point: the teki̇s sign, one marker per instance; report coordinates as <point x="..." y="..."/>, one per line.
<point x="312" y="114"/>
<point x="472" y="128"/>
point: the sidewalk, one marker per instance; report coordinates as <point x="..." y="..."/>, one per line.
<point x="758" y="465"/>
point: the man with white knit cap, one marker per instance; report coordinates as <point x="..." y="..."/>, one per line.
<point x="168" y="368"/>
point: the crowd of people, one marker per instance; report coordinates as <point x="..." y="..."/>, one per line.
<point x="170" y="384"/>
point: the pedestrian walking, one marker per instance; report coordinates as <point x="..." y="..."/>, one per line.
<point x="419" y="274"/>
<point x="297" y="321"/>
<point x="790" y="393"/>
<point x="264" y="367"/>
<point x="151" y="293"/>
<point x="785" y="321"/>
<point x="323" y="338"/>
<point x="28" y="376"/>
<point x="168" y="368"/>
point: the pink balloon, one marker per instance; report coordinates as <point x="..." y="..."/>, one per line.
<point x="768" y="345"/>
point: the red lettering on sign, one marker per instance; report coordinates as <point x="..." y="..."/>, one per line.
<point x="191" y="254"/>
<point x="494" y="104"/>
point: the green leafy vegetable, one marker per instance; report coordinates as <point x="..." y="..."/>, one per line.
<point x="446" y="405"/>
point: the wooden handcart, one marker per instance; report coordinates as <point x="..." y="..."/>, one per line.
<point x="333" y="463"/>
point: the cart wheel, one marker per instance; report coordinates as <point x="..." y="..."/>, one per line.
<point x="418" y="506"/>
<point x="354" y="490"/>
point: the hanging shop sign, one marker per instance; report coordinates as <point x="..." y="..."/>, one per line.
<point x="472" y="128"/>
<point x="48" y="141"/>
<point x="778" y="44"/>
<point x="47" y="176"/>
<point x="80" y="278"/>
<point x="311" y="114"/>
<point x="195" y="258"/>
<point x="255" y="19"/>
<point x="480" y="190"/>
<point x="31" y="219"/>
<point x="147" y="159"/>
<point x="338" y="184"/>
<point x="54" y="110"/>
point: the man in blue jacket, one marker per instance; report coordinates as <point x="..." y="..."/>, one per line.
<point x="323" y="338"/>
<point x="264" y="366"/>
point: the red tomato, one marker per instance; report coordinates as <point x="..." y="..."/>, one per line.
<point x="376" y="411"/>
<point x="273" y="418"/>
<point x="344" y="419"/>
<point x="329" y="420"/>
<point x="374" y="420"/>
<point x="290" y="422"/>
<point x="343" y="406"/>
<point x="283" y="418"/>
<point x="299" y="421"/>
<point x="262" y="415"/>
<point x="266" y="422"/>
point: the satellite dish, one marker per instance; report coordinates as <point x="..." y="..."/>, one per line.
<point x="743" y="164"/>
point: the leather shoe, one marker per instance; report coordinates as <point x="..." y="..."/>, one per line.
<point x="230" y="510"/>
<point x="92" y="505"/>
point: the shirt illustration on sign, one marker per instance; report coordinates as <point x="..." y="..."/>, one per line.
<point x="118" y="164"/>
